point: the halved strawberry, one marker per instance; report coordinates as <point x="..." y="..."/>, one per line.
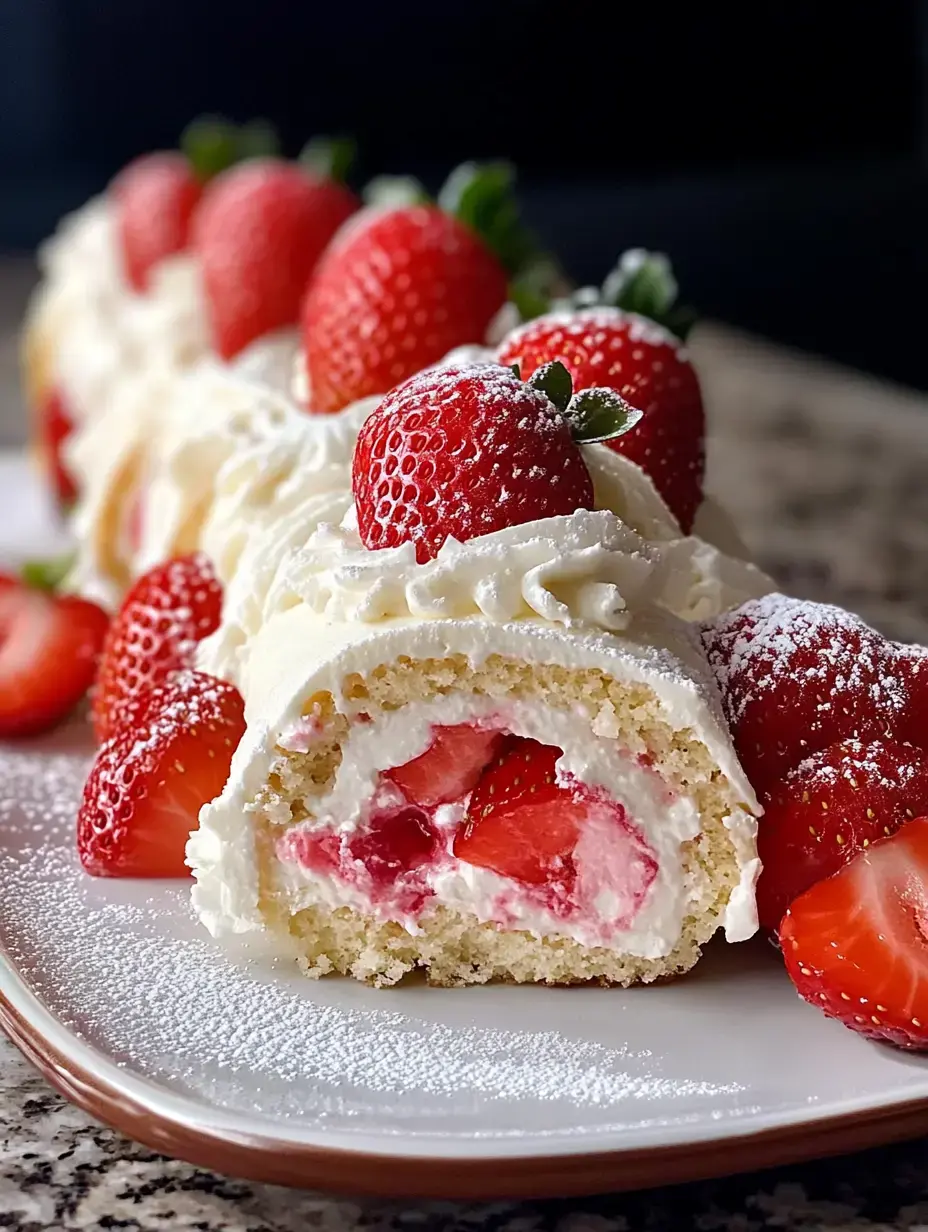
<point x="55" y="427"/>
<point x="164" y="615"/>
<point x="519" y="822"/>
<point x="855" y="945"/>
<point x="148" y="783"/>
<point x="832" y="806"/>
<point x="49" y="646"/>
<point x="450" y="767"/>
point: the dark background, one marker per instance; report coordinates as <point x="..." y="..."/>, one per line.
<point x="776" y="151"/>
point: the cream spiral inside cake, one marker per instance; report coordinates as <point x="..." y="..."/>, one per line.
<point x="547" y="632"/>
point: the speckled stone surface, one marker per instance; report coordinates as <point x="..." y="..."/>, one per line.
<point x="825" y="472"/>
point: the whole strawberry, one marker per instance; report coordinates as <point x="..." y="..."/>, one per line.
<point x="643" y="362"/>
<point x="466" y="450"/>
<point x="259" y="233"/>
<point x="796" y="677"/>
<point x="156" y="196"/>
<point x="393" y="296"/>
<point x="155" y="633"/>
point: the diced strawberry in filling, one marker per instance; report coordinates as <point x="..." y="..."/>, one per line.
<point x="570" y="847"/>
<point x="135" y="521"/>
<point x="320" y="853"/>
<point x="450" y="767"/>
<point x="520" y="823"/>
<point x="523" y="824"/>
<point x="395" y="843"/>
<point x="55" y="427"/>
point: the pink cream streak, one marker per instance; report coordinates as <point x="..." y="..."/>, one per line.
<point x="401" y="850"/>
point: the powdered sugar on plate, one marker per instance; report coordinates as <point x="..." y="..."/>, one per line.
<point x="490" y="1071"/>
<point x="125" y="967"/>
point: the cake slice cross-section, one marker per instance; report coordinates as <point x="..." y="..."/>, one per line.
<point x="447" y="769"/>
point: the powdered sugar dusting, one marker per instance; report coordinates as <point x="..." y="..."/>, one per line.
<point x="870" y="763"/>
<point x="124" y="967"/>
<point x="753" y="648"/>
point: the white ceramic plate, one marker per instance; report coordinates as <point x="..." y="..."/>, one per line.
<point x="131" y="1009"/>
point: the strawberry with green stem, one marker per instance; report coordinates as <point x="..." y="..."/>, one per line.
<point x="410" y="281"/>
<point x="467" y="450"/>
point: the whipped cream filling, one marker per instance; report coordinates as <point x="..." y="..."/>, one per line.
<point x="629" y="892"/>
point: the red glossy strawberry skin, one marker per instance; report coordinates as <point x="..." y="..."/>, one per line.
<point x="394" y="294"/>
<point x="449" y="768"/>
<point x="831" y="807"/>
<point x="855" y="944"/>
<point x="520" y="823"/>
<point x="147" y="785"/>
<point x="156" y="196"/>
<point x="796" y="677"/>
<point x="49" y="647"/>
<point x="622" y="351"/>
<point x="55" y="428"/>
<point x="165" y="614"/>
<point x="259" y="233"/>
<point x="463" y="451"/>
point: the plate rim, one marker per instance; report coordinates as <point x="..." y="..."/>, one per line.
<point x="264" y="1159"/>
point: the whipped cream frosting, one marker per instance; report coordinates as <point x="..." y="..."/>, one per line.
<point x="102" y="332"/>
<point x="600" y="563"/>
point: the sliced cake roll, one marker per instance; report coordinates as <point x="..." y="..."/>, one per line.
<point x="478" y="744"/>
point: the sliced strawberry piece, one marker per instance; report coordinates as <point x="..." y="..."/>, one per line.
<point x="49" y="647"/>
<point x="856" y="944"/>
<point x="519" y="822"/>
<point x="832" y="806"/>
<point x="148" y="783"/>
<point x="450" y="767"/>
<point x="166" y="613"/>
<point x="55" y="427"/>
<point x="395" y="843"/>
<point x="156" y="196"/>
<point x="796" y="677"/>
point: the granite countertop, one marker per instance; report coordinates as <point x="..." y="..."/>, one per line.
<point x="825" y="472"/>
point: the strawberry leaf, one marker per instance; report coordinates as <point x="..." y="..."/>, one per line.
<point x="482" y="196"/>
<point x="554" y="381"/>
<point x="210" y="145"/>
<point x="258" y="139"/>
<point x="213" y="143"/>
<point x="47" y="574"/>
<point x="534" y="288"/>
<point x="644" y="282"/>
<point x="329" y="157"/>
<point x="392" y="192"/>
<point x="599" y="415"/>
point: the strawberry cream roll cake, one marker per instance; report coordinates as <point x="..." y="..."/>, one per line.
<point x="475" y="741"/>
